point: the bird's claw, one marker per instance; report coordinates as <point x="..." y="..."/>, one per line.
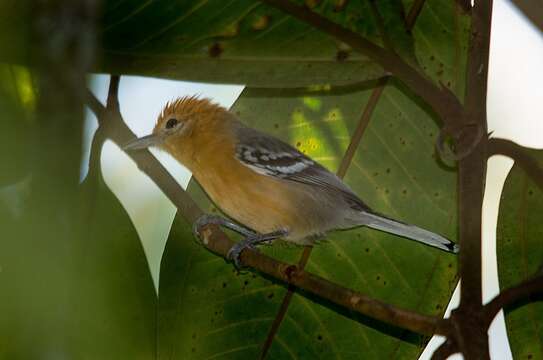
<point x="249" y="242"/>
<point x="202" y="221"/>
<point x="235" y="251"/>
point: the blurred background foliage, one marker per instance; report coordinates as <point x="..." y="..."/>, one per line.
<point x="74" y="279"/>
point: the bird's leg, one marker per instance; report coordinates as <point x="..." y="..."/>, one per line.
<point x="250" y="242"/>
<point x="208" y="219"/>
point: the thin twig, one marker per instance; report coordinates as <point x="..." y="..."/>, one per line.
<point x="216" y="241"/>
<point x="441" y="99"/>
<point x="445" y="350"/>
<point x="95" y="105"/>
<point x="327" y="290"/>
<point x="361" y="127"/>
<point x="284" y="305"/>
<point x="113" y="93"/>
<point x="512" y="295"/>
<point x="471" y="336"/>
<point x="533" y="11"/>
<point x="381" y="26"/>
<point x="413" y="14"/>
<point x="521" y="155"/>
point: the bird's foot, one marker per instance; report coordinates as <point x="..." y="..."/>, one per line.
<point x="235" y="251"/>
<point x="250" y="242"/>
<point x="203" y="221"/>
<point x="208" y="219"/>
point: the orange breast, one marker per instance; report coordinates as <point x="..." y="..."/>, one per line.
<point x="257" y="201"/>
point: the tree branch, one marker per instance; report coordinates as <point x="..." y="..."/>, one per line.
<point x="113" y="93"/>
<point x="381" y="26"/>
<point x="95" y="105"/>
<point x="355" y="301"/>
<point x="413" y="14"/>
<point x="471" y="336"/>
<point x="445" y="350"/>
<point x="216" y="241"/>
<point x="533" y="11"/>
<point x="521" y="155"/>
<point x="441" y="99"/>
<point x="513" y="295"/>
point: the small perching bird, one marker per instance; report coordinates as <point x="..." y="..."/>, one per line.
<point x="262" y="183"/>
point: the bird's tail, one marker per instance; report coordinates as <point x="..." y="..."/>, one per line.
<point x="412" y="232"/>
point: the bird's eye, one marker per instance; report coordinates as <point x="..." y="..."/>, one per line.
<point x="171" y="123"/>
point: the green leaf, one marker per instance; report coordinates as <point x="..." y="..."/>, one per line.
<point x="520" y="256"/>
<point x="247" y="42"/>
<point x="213" y="312"/>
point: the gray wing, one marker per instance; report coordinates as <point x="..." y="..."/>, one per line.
<point x="270" y="156"/>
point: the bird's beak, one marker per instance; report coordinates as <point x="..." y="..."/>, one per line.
<point x="144" y="142"/>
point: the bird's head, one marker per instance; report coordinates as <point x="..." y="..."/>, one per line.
<point x="179" y="121"/>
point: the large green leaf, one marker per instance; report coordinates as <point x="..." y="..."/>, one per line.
<point x="242" y="41"/>
<point x="212" y="311"/>
<point x="520" y="256"/>
<point x="247" y="42"/>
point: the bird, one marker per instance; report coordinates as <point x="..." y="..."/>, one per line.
<point x="266" y="187"/>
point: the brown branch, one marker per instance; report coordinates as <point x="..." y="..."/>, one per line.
<point x="284" y="305"/>
<point x="352" y="300"/>
<point x="521" y="155"/>
<point x="95" y="105"/>
<point x="512" y="295"/>
<point x="216" y="241"/>
<point x="470" y="335"/>
<point x="533" y="11"/>
<point x="381" y="26"/>
<point x="413" y="14"/>
<point x="361" y="127"/>
<point x="279" y="317"/>
<point x="96" y="151"/>
<point x="445" y="350"/>
<point x="441" y="99"/>
<point x="113" y="93"/>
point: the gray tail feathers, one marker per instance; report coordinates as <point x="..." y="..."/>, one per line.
<point x="409" y="231"/>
